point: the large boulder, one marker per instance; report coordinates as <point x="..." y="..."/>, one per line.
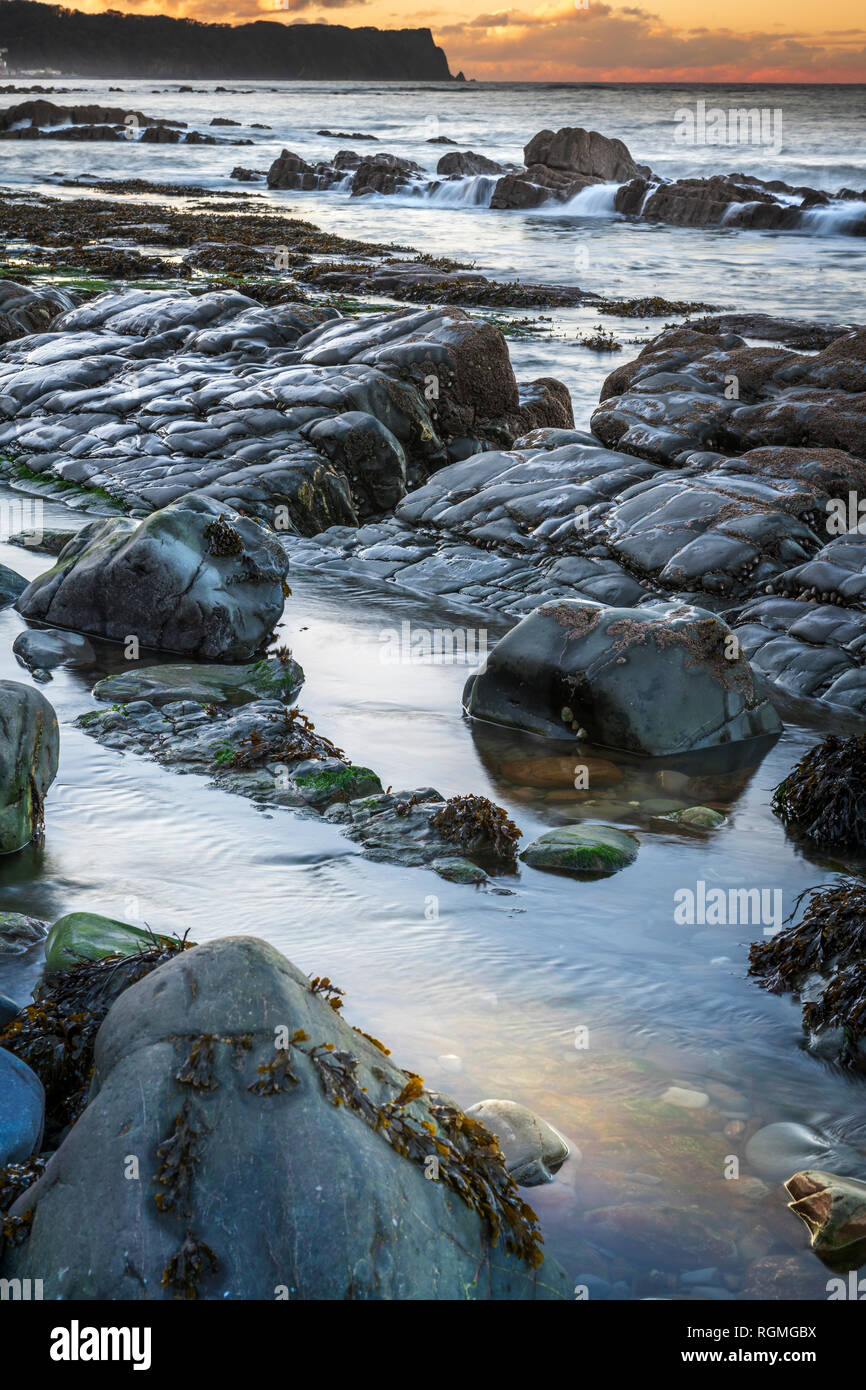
<point x="561" y="164"/>
<point x="653" y="681"/>
<point x="574" y="150"/>
<point x="463" y="163"/>
<point x="29" y="753"/>
<point x="279" y="1153"/>
<point x="195" y="577"/>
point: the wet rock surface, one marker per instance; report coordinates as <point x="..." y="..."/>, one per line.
<point x="145" y="395"/>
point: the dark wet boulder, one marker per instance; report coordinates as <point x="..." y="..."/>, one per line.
<point x="653" y="681"/>
<point x="561" y="164"/>
<point x="462" y="163"/>
<point x="575" y="150"/>
<point x="41" y="649"/>
<point x="229" y="1059"/>
<point x="24" y="309"/>
<point x="194" y="577"/>
<point x="383" y="173"/>
<point x="29" y="752"/>
<point x="22" y="1109"/>
<point x="148" y="395"/>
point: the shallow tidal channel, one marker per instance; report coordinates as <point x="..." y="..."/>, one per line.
<point x="585" y="1000"/>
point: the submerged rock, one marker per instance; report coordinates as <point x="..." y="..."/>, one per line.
<point x="274" y="677"/>
<point x="22" y="1109"/>
<point x="533" y="1150"/>
<point x="194" y="577"/>
<point x="41" y="649"/>
<point x="29" y="753"/>
<point x="11" y="583"/>
<point x="584" y="849"/>
<point x="229" y="1055"/>
<point x="652" y="681"/>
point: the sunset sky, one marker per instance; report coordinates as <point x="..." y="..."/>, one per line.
<point x="749" y="40"/>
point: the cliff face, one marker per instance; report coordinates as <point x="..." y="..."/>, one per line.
<point x="120" y="45"/>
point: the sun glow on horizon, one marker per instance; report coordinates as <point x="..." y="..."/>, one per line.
<point x="588" y="40"/>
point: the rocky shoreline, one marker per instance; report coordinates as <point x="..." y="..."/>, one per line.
<point x="682" y="546"/>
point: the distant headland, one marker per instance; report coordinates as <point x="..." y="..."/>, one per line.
<point x="52" y="37"/>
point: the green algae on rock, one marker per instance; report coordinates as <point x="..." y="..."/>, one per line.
<point x="582" y="849"/>
<point x="83" y="936"/>
<point x="698" y="817"/>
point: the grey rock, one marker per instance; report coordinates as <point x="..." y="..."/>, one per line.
<point x="533" y="1150"/>
<point x="347" y="1216"/>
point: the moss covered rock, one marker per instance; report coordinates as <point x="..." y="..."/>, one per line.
<point x="87" y="936"/>
<point x="582" y="849"/>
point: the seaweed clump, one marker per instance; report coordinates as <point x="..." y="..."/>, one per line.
<point x="466" y="1154"/>
<point x="222" y="539"/>
<point x="830" y="940"/>
<point x="55" y="1034"/>
<point x="469" y="820"/>
<point x="285" y="737"/>
<point x="824" y="797"/>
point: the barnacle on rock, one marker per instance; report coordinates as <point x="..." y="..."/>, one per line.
<point x="475" y="822"/>
<point x="824" y="797"/>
